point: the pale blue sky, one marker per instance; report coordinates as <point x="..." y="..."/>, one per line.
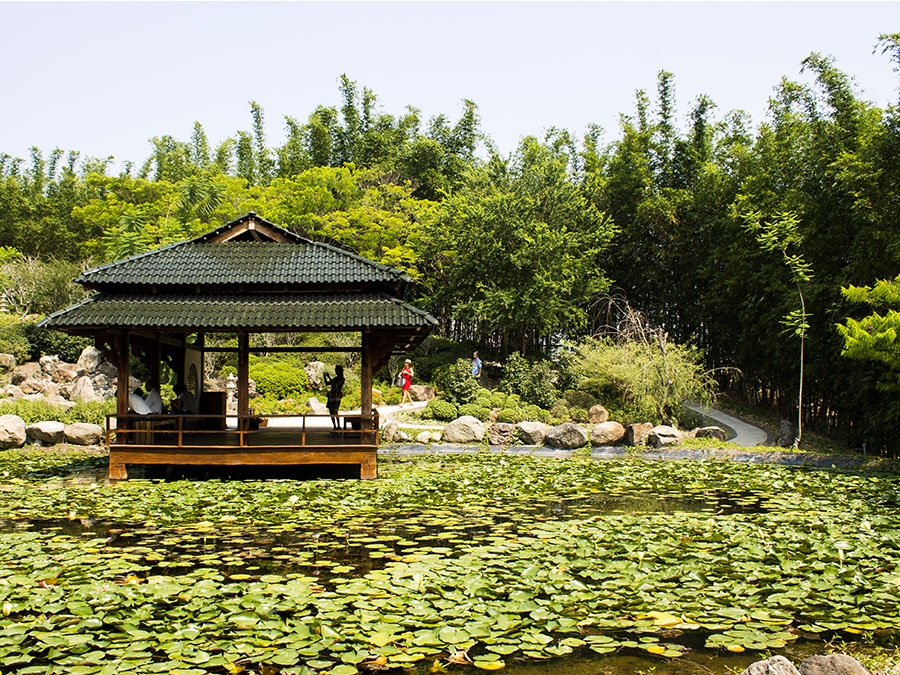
<point x="105" y="77"/>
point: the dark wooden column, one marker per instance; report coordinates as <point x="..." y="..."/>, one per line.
<point x="122" y="353"/>
<point x="365" y="376"/>
<point x="243" y="374"/>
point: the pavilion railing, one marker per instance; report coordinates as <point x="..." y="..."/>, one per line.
<point x="248" y="431"/>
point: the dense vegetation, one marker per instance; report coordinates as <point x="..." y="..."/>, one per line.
<point x="514" y="252"/>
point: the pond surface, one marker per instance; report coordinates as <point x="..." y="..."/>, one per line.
<point x="532" y="565"/>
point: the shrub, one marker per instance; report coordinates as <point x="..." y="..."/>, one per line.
<point x="458" y="383"/>
<point x="45" y="341"/>
<point x="512" y="401"/>
<point x="94" y="412"/>
<point x="579" y="415"/>
<point x="475" y="410"/>
<point x="281" y="378"/>
<point x="13" y="340"/>
<point x="269" y="405"/>
<point x="536" y="414"/>
<point x="440" y="409"/>
<point x="511" y="415"/>
<point x="498" y="399"/>
<point x="532" y="381"/>
<point x="560" y="410"/>
<point x="579" y="399"/>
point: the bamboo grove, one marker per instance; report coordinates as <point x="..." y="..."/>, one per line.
<point x="515" y="251"/>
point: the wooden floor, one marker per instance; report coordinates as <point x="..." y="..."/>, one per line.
<point x="265" y="447"/>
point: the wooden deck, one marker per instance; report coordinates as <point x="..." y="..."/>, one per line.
<point x="177" y="440"/>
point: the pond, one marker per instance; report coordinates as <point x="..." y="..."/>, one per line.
<point x="475" y="562"/>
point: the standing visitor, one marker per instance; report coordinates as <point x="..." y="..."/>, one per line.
<point x="476" y="366"/>
<point x="335" y="394"/>
<point x="407" y="375"/>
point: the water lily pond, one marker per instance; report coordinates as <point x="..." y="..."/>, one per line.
<point x="463" y="563"/>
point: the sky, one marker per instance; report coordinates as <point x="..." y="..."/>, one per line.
<point x="103" y="78"/>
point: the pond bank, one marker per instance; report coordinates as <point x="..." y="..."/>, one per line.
<point x="664" y="454"/>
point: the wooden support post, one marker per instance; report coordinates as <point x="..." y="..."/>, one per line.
<point x="243" y="382"/>
<point x="123" y="352"/>
<point x="365" y="393"/>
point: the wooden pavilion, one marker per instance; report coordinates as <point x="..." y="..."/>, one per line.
<point x="244" y="278"/>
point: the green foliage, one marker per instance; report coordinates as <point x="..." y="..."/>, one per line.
<point x="45" y="341"/>
<point x="875" y="337"/>
<point x="440" y="409"/>
<point x="457" y="382"/>
<point x="498" y="398"/>
<point x="534" y="413"/>
<point x="272" y="405"/>
<point x="531" y="381"/>
<point x="579" y="399"/>
<point x="93" y="412"/>
<point x="281" y="378"/>
<point x="481" y="412"/>
<point x="13" y="339"/>
<point x="511" y="415"/>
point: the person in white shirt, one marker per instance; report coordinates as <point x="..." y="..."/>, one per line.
<point x="188" y="400"/>
<point x="154" y="401"/>
<point x="137" y="403"/>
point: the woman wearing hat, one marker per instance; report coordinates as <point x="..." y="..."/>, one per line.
<point x="407" y="375"/>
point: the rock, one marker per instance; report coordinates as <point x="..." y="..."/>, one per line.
<point x="710" y="432"/>
<point x="598" y="414"/>
<point x="567" y="436"/>
<point x="89" y="361"/>
<point x="494" y="414"/>
<point x="12" y="431"/>
<point x="500" y="433"/>
<point x="531" y="433"/>
<point x="82" y="433"/>
<point x="251" y="388"/>
<point x="109" y="370"/>
<point x="314" y="371"/>
<point x="317" y="406"/>
<point x="421" y="392"/>
<point x="7" y="362"/>
<point x="26" y="371"/>
<point x="84" y="390"/>
<point x="636" y="434"/>
<point x="786" y="434"/>
<point x="58" y="371"/>
<point x="833" y="664"/>
<point x="389" y="430"/>
<point x="13" y="392"/>
<point x="607" y="433"/>
<point x="401" y="436"/>
<point x="662" y="435"/>
<point x="58" y="402"/>
<point x="50" y="390"/>
<point x="423" y="437"/>
<point x="49" y="364"/>
<point x="46" y="432"/>
<point x="32" y="385"/>
<point x="465" y="429"/>
<point x="776" y="665"/>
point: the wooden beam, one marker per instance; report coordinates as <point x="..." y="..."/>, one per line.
<point x="274" y="350"/>
<point x="251" y="225"/>
<point x="243" y="374"/>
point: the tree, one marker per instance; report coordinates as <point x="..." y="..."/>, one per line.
<point x="875" y="337"/>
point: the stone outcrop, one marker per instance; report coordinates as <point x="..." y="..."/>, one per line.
<point x="317" y="407"/>
<point x="710" y="432"/>
<point x="421" y="392"/>
<point x="784" y="437"/>
<point x="500" y="433"/>
<point x="13" y="392"/>
<point x="7" y="362"/>
<point x="84" y="390"/>
<point x="423" y="437"/>
<point x="465" y="429"/>
<point x="531" y="433"/>
<point x="89" y="361"/>
<point x="389" y="430"/>
<point x="56" y="370"/>
<point x="567" y="436"/>
<point x="46" y="432"/>
<point x="607" y="433"/>
<point x="598" y="414"/>
<point x="663" y="435"/>
<point x="776" y="665"/>
<point x="12" y="431"/>
<point x="636" y="434"/>
<point x="82" y="433"/>
<point x="314" y="371"/>
<point x="833" y="664"/>
<point x="31" y="370"/>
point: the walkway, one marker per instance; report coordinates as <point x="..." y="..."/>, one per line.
<point x="746" y="435"/>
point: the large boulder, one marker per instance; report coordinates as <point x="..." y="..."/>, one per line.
<point x="636" y="434"/>
<point x="32" y="385"/>
<point x="89" y="361"/>
<point x="786" y="434"/>
<point x="58" y="371"/>
<point x="607" y="433"/>
<point x="13" y="392"/>
<point x="84" y="390"/>
<point x="7" y="362"/>
<point x="465" y="429"/>
<point x="314" y="371"/>
<point x="30" y="370"/>
<point x="567" y="436"/>
<point x="317" y="406"/>
<point x="46" y="432"/>
<point x="531" y="433"/>
<point x="598" y="414"/>
<point x="833" y="664"/>
<point x="82" y="433"/>
<point x="710" y="432"/>
<point x="500" y="433"/>
<point x="423" y="437"/>
<point x="421" y="392"/>
<point x="776" y="665"/>
<point x="12" y="431"/>
<point x="662" y="435"/>
<point x="389" y="430"/>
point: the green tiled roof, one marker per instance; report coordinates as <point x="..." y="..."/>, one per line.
<point x="310" y="311"/>
<point x="247" y="263"/>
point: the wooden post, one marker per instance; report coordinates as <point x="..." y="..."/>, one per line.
<point x="123" y="351"/>
<point x="243" y="383"/>
<point x="365" y="375"/>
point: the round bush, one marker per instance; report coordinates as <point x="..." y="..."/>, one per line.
<point x="579" y="415"/>
<point x="512" y="401"/>
<point x="579" y="399"/>
<point x="280" y="378"/>
<point x="560" y="410"/>
<point x="475" y="410"/>
<point x="498" y="399"/>
<point x="511" y="415"/>
<point x="442" y="410"/>
<point x="534" y="413"/>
